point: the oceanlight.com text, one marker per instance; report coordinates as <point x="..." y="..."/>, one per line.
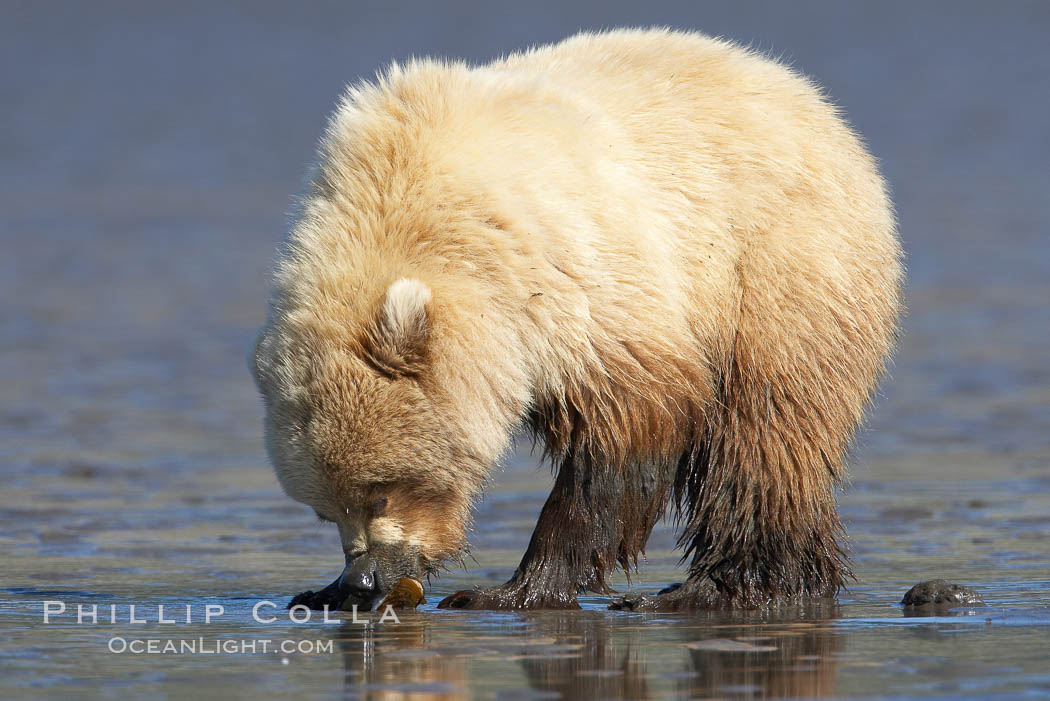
<point x="218" y="646"/>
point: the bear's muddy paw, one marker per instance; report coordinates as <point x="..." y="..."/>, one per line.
<point x="509" y="596"/>
<point x="314" y="600"/>
<point x="677" y="597"/>
<point x="330" y="596"/>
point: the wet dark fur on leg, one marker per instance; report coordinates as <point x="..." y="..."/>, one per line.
<point x="755" y="497"/>
<point x="594" y="519"/>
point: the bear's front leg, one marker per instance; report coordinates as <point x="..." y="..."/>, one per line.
<point x="594" y="519"/>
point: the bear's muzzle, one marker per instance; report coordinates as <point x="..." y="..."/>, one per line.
<point x="359" y="582"/>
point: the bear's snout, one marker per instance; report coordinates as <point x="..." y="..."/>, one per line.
<point x="360" y="581"/>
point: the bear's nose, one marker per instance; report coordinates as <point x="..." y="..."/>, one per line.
<point x="359" y="578"/>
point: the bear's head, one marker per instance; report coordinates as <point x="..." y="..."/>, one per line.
<point x="358" y="428"/>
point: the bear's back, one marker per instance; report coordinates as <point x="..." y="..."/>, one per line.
<point x="743" y="189"/>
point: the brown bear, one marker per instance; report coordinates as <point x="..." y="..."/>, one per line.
<point x="666" y="256"/>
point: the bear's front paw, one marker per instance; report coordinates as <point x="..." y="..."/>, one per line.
<point x="331" y="596"/>
<point x="509" y="596"/>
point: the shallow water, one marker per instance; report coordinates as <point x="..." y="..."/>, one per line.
<point x="144" y="173"/>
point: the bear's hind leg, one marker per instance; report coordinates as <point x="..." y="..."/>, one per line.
<point x="596" y="518"/>
<point x="756" y="497"/>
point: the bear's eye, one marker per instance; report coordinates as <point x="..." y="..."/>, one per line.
<point x="378" y="507"/>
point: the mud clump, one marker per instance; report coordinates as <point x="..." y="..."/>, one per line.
<point x="942" y="594"/>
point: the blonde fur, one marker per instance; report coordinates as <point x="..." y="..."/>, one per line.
<point x="635" y="242"/>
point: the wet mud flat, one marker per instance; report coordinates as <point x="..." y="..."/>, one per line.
<point x="231" y="541"/>
<point x="993" y="651"/>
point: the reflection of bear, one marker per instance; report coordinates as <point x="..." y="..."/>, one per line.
<point x="793" y="663"/>
<point x="665" y="255"/>
<point x="395" y="662"/>
<point x="791" y="654"/>
<point x="784" y="656"/>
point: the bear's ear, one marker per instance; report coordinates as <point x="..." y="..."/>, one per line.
<point x="396" y="343"/>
